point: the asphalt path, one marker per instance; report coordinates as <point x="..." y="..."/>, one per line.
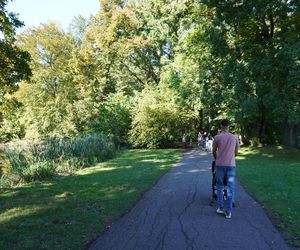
<point x="176" y="215"/>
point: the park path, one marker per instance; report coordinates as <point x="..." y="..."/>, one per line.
<point x="175" y="215"/>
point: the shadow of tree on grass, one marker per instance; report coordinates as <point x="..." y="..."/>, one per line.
<point x="67" y="212"/>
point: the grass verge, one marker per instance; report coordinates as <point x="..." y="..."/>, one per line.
<point x="68" y="212"/>
<point x="272" y="176"/>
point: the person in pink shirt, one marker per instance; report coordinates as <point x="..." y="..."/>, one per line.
<point x="225" y="149"/>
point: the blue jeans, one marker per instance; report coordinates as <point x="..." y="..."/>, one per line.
<point x="228" y="174"/>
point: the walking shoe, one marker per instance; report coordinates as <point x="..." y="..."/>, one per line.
<point x="227" y="215"/>
<point x="220" y="210"/>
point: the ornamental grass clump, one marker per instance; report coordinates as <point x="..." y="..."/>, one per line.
<point x="38" y="171"/>
<point x="43" y="160"/>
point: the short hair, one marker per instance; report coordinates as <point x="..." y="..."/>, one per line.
<point x="225" y="123"/>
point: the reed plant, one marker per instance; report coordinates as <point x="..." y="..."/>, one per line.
<point x="42" y="160"/>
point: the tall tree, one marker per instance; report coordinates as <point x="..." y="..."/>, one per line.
<point x="13" y="61"/>
<point x="249" y="39"/>
<point x="50" y="95"/>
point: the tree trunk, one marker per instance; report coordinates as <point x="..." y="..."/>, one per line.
<point x="291" y="135"/>
<point x="261" y="132"/>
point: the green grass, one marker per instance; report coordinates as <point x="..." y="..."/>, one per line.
<point x="69" y="212"/>
<point x="272" y="176"/>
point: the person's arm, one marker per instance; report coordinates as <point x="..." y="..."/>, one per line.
<point x="237" y="146"/>
<point x="214" y="149"/>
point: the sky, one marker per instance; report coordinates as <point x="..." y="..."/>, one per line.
<point x="35" y="12"/>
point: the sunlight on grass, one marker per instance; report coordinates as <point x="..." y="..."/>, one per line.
<point x="272" y="175"/>
<point x="94" y="169"/>
<point x="63" y="195"/>
<point x="268" y="155"/>
<point x="67" y="207"/>
<point x="8" y="194"/>
<point x="153" y="160"/>
<point x="18" y="212"/>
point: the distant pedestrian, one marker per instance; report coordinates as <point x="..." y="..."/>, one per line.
<point x="225" y="149"/>
<point x="184" y="140"/>
<point x="209" y="143"/>
<point x="203" y="140"/>
<point x="199" y="139"/>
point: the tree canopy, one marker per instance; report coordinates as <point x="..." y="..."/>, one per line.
<point x="13" y="61"/>
<point x="149" y="71"/>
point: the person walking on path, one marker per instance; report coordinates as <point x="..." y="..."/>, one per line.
<point x="225" y="149"/>
<point x="175" y="215"/>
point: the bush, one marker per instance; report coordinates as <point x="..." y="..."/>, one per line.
<point x="157" y="119"/>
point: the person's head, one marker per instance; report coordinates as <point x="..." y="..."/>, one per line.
<point x="225" y="125"/>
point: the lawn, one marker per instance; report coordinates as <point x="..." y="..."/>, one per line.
<point x="68" y="212"/>
<point x="272" y="176"/>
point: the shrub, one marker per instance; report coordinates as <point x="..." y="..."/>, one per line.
<point x="157" y="119"/>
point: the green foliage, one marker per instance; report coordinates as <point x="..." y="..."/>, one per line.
<point x="89" y="149"/>
<point x="157" y="119"/>
<point x="49" y="97"/>
<point x="17" y="160"/>
<point x="71" y="164"/>
<point x="38" y="171"/>
<point x="14" y="66"/>
<point x="215" y="59"/>
<point x="114" y="117"/>
<point x="247" y="41"/>
<point x="13" y="61"/>
<point x="78" y="27"/>
<point x="43" y="160"/>
<point x="11" y="126"/>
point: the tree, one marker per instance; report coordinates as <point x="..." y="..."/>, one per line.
<point x="249" y="39"/>
<point x="11" y="126"/>
<point x="13" y="61"/>
<point x="50" y="95"/>
<point x="78" y="28"/>
<point x="114" y="117"/>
